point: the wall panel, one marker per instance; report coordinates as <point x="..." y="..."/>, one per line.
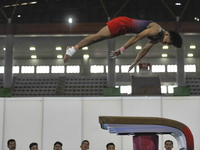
<point x="62" y="122"/>
<point x="92" y="109"/>
<point x="23" y="119"/>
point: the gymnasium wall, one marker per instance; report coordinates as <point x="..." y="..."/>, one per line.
<point x="70" y="120"/>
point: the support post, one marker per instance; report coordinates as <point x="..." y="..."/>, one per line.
<point x="145" y="142"/>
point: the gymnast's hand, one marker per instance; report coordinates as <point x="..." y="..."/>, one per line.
<point x="114" y="54"/>
<point x="66" y="56"/>
<point x="131" y="66"/>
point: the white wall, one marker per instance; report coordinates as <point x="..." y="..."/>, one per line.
<point x="46" y="120"/>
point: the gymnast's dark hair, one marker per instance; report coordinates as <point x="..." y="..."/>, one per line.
<point x="32" y="144"/>
<point x="110" y="144"/>
<point x="176" y="39"/>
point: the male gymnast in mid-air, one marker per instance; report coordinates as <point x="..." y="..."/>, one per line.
<point x="123" y="25"/>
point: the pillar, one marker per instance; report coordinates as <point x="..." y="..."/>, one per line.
<point x="180" y="67"/>
<point x="85" y="67"/>
<point x="111" y="76"/>
<point x="182" y="89"/>
<point x="8" y="59"/>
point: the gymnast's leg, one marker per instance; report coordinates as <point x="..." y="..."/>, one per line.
<point x="103" y="34"/>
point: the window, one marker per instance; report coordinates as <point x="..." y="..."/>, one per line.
<point x="171" y="89"/>
<point x="158" y="68"/>
<point x="190" y="68"/>
<point x="57" y="69"/>
<point x="116" y="69"/>
<point x="163" y="89"/>
<point x="125" y="68"/>
<point x="1" y="69"/>
<point x="73" y="69"/>
<point x="171" y="68"/>
<point x="15" y="69"/>
<point x="42" y="69"/>
<point x="137" y="69"/>
<point x="126" y="89"/>
<point x="97" y="69"/>
<point x="27" y="69"/>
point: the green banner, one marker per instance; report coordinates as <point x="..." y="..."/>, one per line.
<point x="111" y="91"/>
<point x="5" y="92"/>
<point x="181" y="91"/>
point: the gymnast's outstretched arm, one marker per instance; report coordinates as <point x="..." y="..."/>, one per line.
<point x="148" y="32"/>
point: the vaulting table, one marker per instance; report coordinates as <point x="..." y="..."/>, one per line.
<point x="145" y="130"/>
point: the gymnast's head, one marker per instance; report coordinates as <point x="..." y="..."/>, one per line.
<point x="172" y="38"/>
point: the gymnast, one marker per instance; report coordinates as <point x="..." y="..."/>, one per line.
<point x="122" y="25"/>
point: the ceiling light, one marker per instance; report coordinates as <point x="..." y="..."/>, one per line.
<point x="24" y="3"/>
<point x="192" y="47"/>
<point x="32" y="48"/>
<point x="58" y="48"/>
<point x="138" y="47"/>
<point x="196" y="18"/>
<point x="164" y="55"/>
<point x="7" y="6"/>
<point x="4" y="48"/>
<point x="86" y="56"/>
<point x="33" y="2"/>
<point x="33" y="56"/>
<point x="177" y="4"/>
<point x="85" y="48"/>
<point x="59" y="56"/>
<point x="18" y="16"/>
<point x="70" y="20"/>
<point x="190" y="55"/>
<point x="165" y="47"/>
<point x="15" y="5"/>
